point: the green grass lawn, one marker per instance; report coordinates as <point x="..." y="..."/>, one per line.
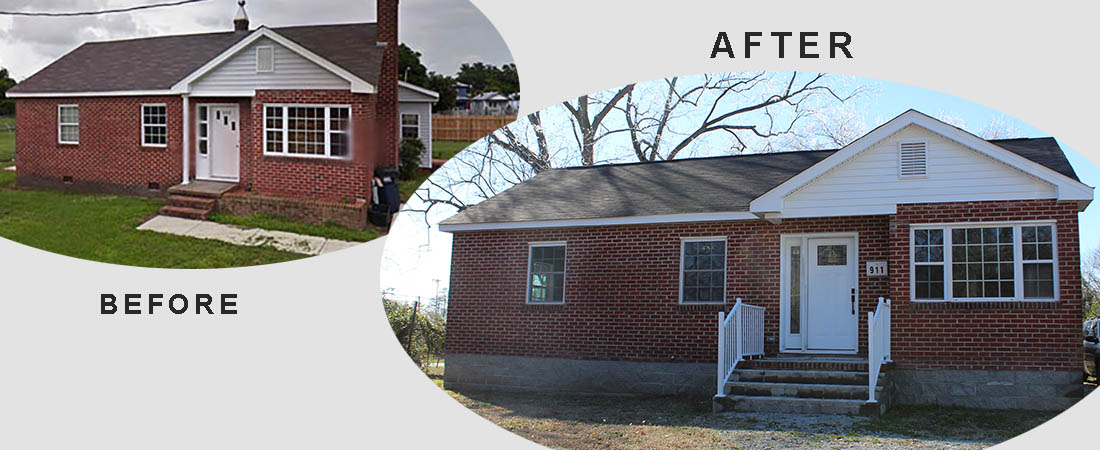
<point x="447" y="149"/>
<point x="408" y="187"/>
<point x="7" y="139"/>
<point x="103" y="228"/>
<point x="328" y="230"/>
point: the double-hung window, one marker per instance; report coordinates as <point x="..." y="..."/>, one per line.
<point x="68" y="124"/>
<point x="308" y="131"/>
<point x="154" y="125"/>
<point x="410" y="126"/>
<point x="546" y="272"/>
<point x="983" y="262"/>
<point x="703" y="270"/>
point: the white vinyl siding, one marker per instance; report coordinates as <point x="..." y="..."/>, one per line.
<point x="869" y="183"/>
<point x="291" y="71"/>
<point x="68" y="124"/>
<point x="988" y="261"/>
<point x="424" y="110"/>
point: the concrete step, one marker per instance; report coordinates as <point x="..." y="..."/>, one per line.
<point x="208" y="189"/>
<point x="803" y="376"/>
<point x="794" y="405"/>
<point x="187" y="201"/>
<point x="845" y="364"/>
<point x="186" y="213"/>
<point x="800" y="390"/>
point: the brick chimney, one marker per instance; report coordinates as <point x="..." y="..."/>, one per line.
<point x="387" y="82"/>
<point x="240" y="22"/>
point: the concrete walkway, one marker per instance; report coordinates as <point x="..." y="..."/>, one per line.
<point x="10" y="168"/>
<point x="291" y="242"/>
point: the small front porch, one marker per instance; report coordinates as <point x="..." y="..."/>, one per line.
<point x="195" y="200"/>
<point x="805" y="383"/>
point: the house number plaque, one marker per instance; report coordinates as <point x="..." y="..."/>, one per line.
<point x="876" y="268"/>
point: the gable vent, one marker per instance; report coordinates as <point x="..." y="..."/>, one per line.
<point x="265" y="59"/>
<point x="913" y="159"/>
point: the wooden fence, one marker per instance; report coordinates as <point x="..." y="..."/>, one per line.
<point x="466" y="128"/>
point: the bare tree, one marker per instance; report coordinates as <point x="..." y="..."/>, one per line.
<point x="659" y="120"/>
<point x="1090" y="276"/>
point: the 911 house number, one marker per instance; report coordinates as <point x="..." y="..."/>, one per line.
<point x="876" y="268"/>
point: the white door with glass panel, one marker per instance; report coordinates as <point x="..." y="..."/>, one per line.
<point x="819" y="295"/>
<point x="218" y="143"/>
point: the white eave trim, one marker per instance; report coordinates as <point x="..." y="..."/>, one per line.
<point x="1066" y="187"/>
<point x="90" y="94"/>
<point x="415" y="88"/>
<point x="604" y="221"/>
<point x="358" y="85"/>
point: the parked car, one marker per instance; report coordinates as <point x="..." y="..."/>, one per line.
<point x="1092" y="356"/>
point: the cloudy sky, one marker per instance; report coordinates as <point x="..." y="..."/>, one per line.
<point x="447" y="32"/>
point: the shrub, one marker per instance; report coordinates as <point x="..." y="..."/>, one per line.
<point x="411" y="149"/>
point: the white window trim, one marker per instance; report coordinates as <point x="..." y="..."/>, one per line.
<point x="328" y="130"/>
<point x="725" y="267"/>
<point x="59" y="124"/>
<point x="1017" y="261"/>
<point x="401" y="121"/>
<point x="564" y="270"/>
<point x="272" y="50"/>
<point x="145" y="143"/>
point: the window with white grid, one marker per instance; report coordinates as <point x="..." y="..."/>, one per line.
<point x="154" y="125"/>
<point x="307" y="130"/>
<point x="68" y="124"/>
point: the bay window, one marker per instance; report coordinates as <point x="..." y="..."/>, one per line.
<point x="983" y="262"/>
<point x="307" y="130"/>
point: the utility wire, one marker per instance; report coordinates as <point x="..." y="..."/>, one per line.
<point x="93" y="13"/>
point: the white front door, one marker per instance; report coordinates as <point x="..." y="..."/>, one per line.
<point x="218" y="142"/>
<point x="830" y="295"/>
<point x="819" y="283"/>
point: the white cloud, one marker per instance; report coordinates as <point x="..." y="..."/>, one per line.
<point x="447" y="32"/>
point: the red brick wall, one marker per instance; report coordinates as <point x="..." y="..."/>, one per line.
<point x="622" y="289"/>
<point x="110" y="150"/>
<point x="1012" y="336"/>
<point x="387" y="155"/>
<point x="328" y="179"/>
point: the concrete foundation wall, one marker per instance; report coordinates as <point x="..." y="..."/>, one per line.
<point x="992" y="389"/>
<point x="521" y="373"/>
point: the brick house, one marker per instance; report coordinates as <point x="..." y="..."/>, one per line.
<point x="918" y="264"/>
<point x="288" y="121"/>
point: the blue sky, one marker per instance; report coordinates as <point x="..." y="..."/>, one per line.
<point x="415" y="257"/>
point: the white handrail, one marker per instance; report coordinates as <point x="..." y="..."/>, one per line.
<point x="878" y="344"/>
<point x="740" y="334"/>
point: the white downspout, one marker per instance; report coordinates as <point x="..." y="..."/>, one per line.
<point x="186" y="138"/>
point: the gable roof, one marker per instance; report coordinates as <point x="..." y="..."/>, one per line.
<point x="685" y="190"/>
<point x="158" y="63"/>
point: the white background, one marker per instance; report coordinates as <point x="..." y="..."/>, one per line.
<point x="310" y="361"/>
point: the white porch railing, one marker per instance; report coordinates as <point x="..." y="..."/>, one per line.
<point x="740" y="334"/>
<point x="878" y="344"/>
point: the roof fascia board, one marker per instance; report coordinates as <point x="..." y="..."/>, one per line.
<point x="1068" y="188"/>
<point x="358" y="85"/>
<point x="605" y="221"/>
<point x="413" y="87"/>
<point x="90" y="94"/>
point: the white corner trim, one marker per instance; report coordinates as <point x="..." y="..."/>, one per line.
<point x="415" y="88"/>
<point x="358" y="85"/>
<point x="1066" y="187"/>
<point x="609" y="221"/>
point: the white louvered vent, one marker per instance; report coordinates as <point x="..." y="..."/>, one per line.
<point x="913" y="159"/>
<point x="265" y="59"/>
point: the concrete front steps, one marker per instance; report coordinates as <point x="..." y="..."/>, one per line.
<point x="196" y="200"/>
<point x="804" y="386"/>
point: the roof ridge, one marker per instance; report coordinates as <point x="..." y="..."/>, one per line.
<point x="211" y="33"/>
<point x="697" y="158"/>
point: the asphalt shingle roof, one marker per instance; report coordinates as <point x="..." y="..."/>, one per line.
<point x="698" y="185"/>
<point x="157" y="63"/>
